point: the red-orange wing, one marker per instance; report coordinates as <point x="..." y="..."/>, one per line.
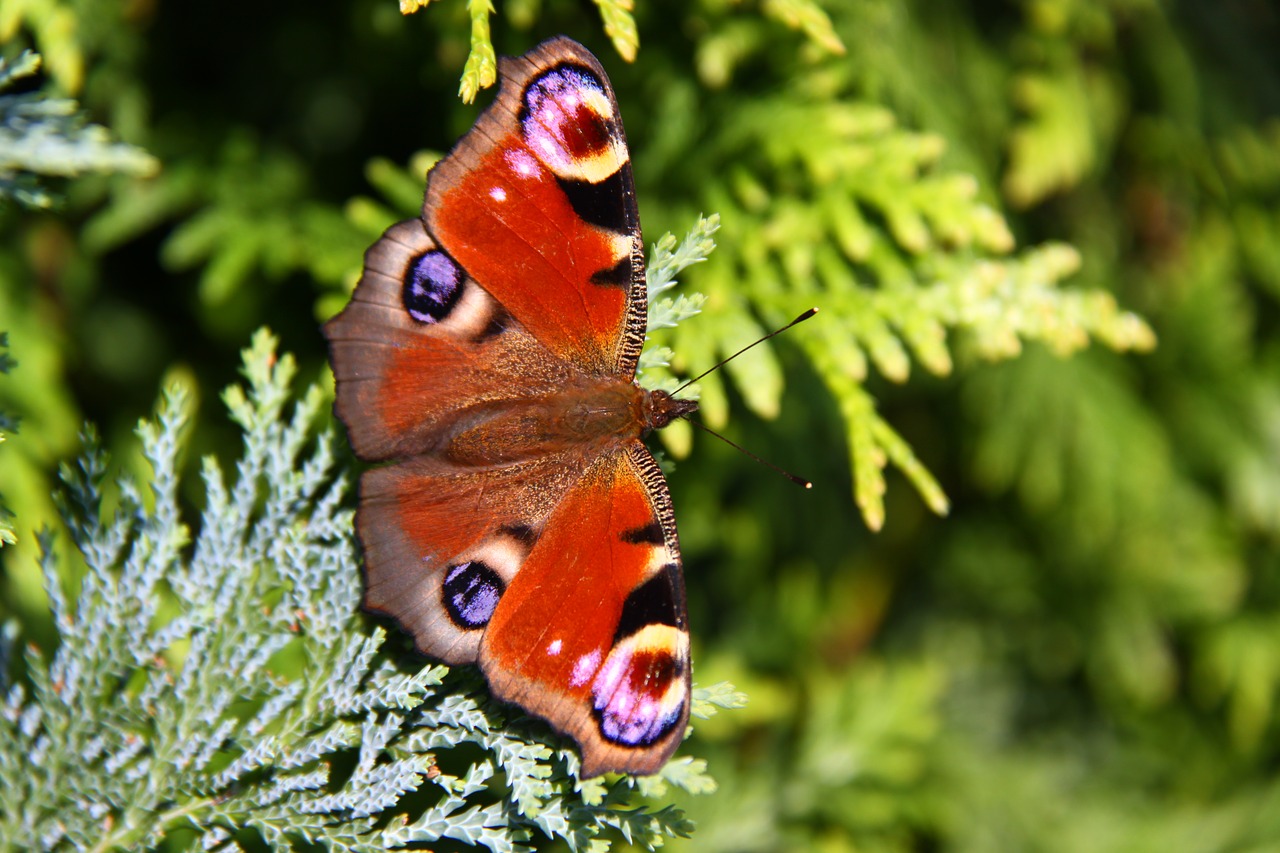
<point x="536" y="203"/>
<point x="591" y="633"/>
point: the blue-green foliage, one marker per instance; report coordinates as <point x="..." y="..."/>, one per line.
<point x="212" y="681"/>
<point x="666" y="261"/>
<point x="43" y="137"/>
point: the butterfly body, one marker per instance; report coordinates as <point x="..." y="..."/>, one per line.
<point x="487" y="362"/>
<point x="596" y="415"/>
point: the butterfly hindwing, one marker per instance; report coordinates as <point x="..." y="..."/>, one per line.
<point x="442" y="543"/>
<point x="591" y="634"/>
<point x="537" y="203"/>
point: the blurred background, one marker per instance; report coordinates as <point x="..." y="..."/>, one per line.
<point x="1083" y="653"/>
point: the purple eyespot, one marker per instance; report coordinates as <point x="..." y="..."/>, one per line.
<point x="560" y="119"/>
<point x="637" y="696"/>
<point x="471" y="592"/>
<point x="432" y="286"/>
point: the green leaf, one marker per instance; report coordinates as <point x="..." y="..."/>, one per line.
<point x="42" y="137"/>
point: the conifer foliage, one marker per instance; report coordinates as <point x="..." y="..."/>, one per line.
<point x="214" y="682"/>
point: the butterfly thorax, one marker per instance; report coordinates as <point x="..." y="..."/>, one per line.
<point x="587" y="416"/>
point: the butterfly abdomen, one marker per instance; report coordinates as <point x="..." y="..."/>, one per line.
<point x="598" y="412"/>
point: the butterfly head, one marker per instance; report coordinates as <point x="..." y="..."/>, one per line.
<point x="660" y="409"/>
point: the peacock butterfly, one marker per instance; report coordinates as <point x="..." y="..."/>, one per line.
<point x="488" y="357"/>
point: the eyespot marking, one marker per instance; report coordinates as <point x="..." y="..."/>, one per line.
<point x="522" y="164"/>
<point x="433" y="284"/>
<point x="639" y="694"/>
<point x="471" y="591"/>
<point x="567" y="121"/>
<point x="583" y="668"/>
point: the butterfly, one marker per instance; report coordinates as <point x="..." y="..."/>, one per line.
<point x="488" y="358"/>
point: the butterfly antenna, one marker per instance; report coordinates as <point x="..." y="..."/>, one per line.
<point x="722" y="362"/>
<point x="799" y="481"/>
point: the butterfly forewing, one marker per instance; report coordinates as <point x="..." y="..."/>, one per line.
<point x="537" y="203"/>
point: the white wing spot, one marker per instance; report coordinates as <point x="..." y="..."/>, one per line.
<point x="585" y="668"/>
<point x="522" y="164"/>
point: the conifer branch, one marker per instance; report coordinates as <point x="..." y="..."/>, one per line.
<point x="210" y="679"/>
<point x="43" y="137"/>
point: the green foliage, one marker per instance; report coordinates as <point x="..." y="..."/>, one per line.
<point x="55" y="27"/>
<point x="7" y="424"/>
<point x="220" y="681"/>
<point x="942" y="262"/>
<point x="666" y="261"/>
<point x="998" y="209"/>
<point x="42" y="137"/>
<point x="807" y="17"/>
<point x="620" y="26"/>
<point x="481" y="69"/>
